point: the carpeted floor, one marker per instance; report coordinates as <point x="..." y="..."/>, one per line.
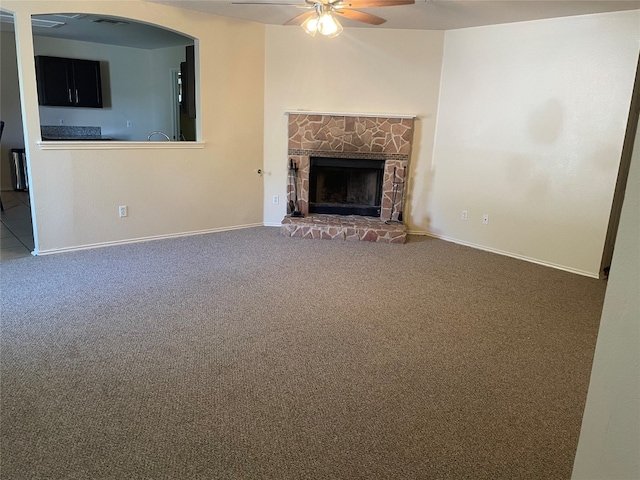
<point x="247" y="355"/>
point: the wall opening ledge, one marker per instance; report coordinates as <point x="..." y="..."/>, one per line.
<point x="111" y="145"/>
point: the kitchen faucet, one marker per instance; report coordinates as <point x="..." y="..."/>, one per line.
<point x="158" y="133"/>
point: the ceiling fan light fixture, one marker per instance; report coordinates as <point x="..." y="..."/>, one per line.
<point x="328" y="25"/>
<point x="310" y="25"/>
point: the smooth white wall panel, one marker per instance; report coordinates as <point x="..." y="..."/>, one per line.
<point x="530" y="129"/>
<point x="610" y="435"/>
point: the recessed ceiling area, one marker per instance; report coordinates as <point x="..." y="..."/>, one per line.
<point x="101" y="29"/>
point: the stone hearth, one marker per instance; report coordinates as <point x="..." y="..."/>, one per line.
<point x="344" y="227"/>
<point x="355" y="138"/>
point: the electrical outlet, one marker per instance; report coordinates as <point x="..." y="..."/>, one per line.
<point x="275" y="200"/>
<point x="464" y="215"/>
<point x="123" y="211"/>
<point x="129" y="123"/>
<point x="62" y="121"/>
<point x="485" y="219"/>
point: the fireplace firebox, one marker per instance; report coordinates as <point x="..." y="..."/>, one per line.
<point x="345" y="186"/>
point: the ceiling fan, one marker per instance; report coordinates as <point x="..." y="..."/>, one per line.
<point x="321" y="14"/>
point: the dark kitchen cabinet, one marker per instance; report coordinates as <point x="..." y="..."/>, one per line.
<point x="68" y="82"/>
<point x="188" y="78"/>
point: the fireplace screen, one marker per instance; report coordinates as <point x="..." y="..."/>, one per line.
<point x="345" y="186"/>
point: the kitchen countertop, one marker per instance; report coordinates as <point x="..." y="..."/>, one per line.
<point x="68" y="133"/>
<point x="98" y="138"/>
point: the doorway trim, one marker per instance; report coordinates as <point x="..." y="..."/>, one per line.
<point x="623" y="174"/>
<point x="175" y="103"/>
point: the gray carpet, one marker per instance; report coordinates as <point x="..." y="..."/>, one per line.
<point x="247" y="355"/>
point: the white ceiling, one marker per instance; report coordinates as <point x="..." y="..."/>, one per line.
<point x="424" y="15"/>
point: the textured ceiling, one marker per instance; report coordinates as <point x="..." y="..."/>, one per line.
<point x="424" y="15"/>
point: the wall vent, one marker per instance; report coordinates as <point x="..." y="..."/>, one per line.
<point x="110" y="21"/>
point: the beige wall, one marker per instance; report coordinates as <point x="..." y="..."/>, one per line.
<point x="609" y="443"/>
<point x="9" y="106"/>
<point x="530" y="130"/>
<point x="76" y="193"/>
<point x="362" y="71"/>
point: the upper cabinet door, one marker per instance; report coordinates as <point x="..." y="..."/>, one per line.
<point x="55" y="83"/>
<point x="88" y="88"/>
<point x="66" y="82"/>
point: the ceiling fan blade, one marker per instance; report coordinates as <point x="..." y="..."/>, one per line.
<point x="360" y="16"/>
<point x="372" y="3"/>
<point x="298" y="19"/>
<point x="291" y="3"/>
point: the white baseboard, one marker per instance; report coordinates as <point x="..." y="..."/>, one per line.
<point x="269" y="224"/>
<point x="505" y="253"/>
<point x="90" y="246"/>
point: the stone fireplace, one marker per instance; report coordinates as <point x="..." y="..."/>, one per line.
<point x="351" y="175"/>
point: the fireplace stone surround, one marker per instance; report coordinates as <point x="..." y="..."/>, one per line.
<point x="354" y="137"/>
